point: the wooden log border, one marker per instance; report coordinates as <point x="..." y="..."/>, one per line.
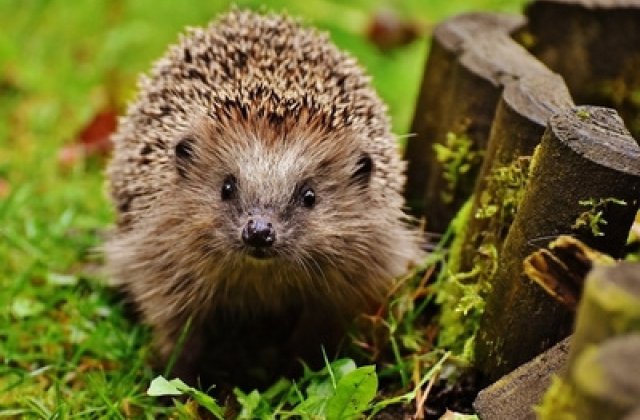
<point x="586" y="156"/>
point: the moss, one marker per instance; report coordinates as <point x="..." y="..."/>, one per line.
<point x="592" y="219"/>
<point x="611" y="298"/>
<point x="558" y="402"/>
<point x="583" y="114"/>
<point x="457" y="158"/>
<point x="460" y="294"/>
<point x="461" y="297"/>
<point x="505" y="188"/>
<point x="588" y="376"/>
<point x="526" y="39"/>
<point x="633" y="241"/>
<point x="622" y="93"/>
<point x="459" y="226"/>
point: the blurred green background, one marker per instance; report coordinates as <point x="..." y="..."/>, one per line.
<point x="59" y="59"/>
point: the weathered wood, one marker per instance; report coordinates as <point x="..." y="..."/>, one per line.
<point x="472" y="58"/>
<point x="562" y="268"/>
<point x="521" y="118"/>
<point x="633" y="414"/>
<point x="606" y="379"/>
<point x="514" y="395"/>
<point x="447" y="44"/>
<point x="610" y="305"/>
<point x="595" y="45"/>
<point x="592" y="386"/>
<point x="586" y="154"/>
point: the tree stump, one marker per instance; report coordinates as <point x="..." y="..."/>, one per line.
<point x="610" y="306"/>
<point x="586" y="170"/>
<point x="602" y="379"/>
<point x="472" y="58"/>
<point x="521" y="118"/>
<point x="607" y="379"/>
<point x="595" y="46"/>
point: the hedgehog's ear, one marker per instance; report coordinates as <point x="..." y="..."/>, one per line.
<point x="364" y="168"/>
<point x="184" y="155"/>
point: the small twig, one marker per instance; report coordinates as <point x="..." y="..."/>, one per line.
<point x="422" y="399"/>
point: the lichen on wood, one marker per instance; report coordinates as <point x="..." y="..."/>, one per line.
<point x="602" y="376"/>
<point x="472" y="58"/>
<point x="520" y="121"/>
<point x="578" y="159"/>
<point x="606" y="379"/>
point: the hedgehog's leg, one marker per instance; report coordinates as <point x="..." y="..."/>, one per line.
<point x="314" y="334"/>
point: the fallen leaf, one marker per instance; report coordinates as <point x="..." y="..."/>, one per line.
<point x="387" y="30"/>
<point x="23" y="307"/>
<point x="561" y="269"/>
<point x="5" y="188"/>
<point x="56" y="279"/>
<point x="161" y="387"/>
<point x="93" y="139"/>
<point x="452" y="415"/>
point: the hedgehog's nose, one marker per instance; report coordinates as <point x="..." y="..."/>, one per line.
<point x="259" y="232"/>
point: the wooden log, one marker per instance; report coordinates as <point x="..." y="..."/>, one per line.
<point x="603" y="385"/>
<point x="606" y="379"/>
<point x="633" y="414"/>
<point x="472" y="58"/>
<point x="514" y="395"/>
<point x="521" y="118"/>
<point x="595" y="45"/>
<point x="610" y="306"/>
<point x="586" y="157"/>
<point x="561" y="269"/>
<point x="447" y="44"/>
<point x="601" y="382"/>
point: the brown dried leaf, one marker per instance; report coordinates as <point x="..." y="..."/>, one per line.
<point x="93" y="139"/>
<point x="561" y="269"/>
<point x="5" y="188"/>
<point x="387" y="30"/>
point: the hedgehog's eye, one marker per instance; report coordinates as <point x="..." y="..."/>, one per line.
<point x="184" y="154"/>
<point x="228" y="188"/>
<point x="308" y="197"/>
<point x="364" y="167"/>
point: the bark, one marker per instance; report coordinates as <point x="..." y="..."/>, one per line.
<point x="602" y="376"/>
<point x="606" y="379"/>
<point x="472" y="58"/>
<point x="515" y="394"/>
<point x="561" y="269"/>
<point x="519" y="124"/>
<point x="610" y="306"/>
<point x="586" y="155"/>
<point x="595" y="46"/>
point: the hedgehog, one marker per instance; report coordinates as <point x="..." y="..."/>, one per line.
<point x="258" y="194"/>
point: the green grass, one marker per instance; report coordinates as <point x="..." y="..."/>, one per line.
<point x="66" y="347"/>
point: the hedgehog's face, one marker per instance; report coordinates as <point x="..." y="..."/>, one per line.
<point x="270" y="200"/>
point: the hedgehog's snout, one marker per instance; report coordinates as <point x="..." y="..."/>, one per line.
<point x="259" y="233"/>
